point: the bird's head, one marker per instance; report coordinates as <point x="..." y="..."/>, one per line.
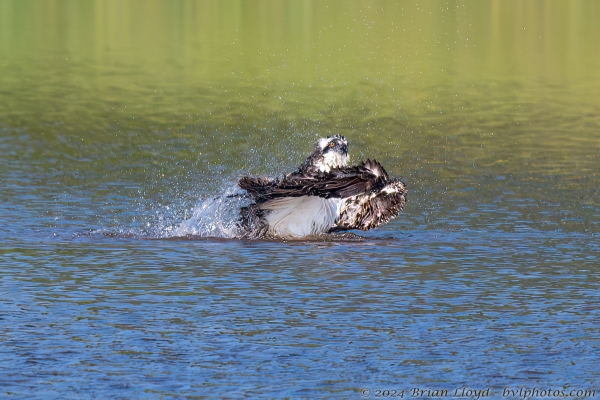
<point x="332" y="153"/>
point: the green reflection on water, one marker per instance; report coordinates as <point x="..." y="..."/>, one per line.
<point x="209" y="54"/>
<point x="438" y="90"/>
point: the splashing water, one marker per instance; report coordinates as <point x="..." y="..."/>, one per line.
<point x="213" y="217"/>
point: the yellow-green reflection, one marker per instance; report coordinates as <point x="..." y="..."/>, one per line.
<point x="382" y="69"/>
<point x="309" y="41"/>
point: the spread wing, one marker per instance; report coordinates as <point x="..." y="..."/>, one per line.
<point x="339" y="183"/>
<point x="257" y="187"/>
<point x="372" y="209"/>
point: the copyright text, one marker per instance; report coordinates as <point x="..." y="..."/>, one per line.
<point x="521" y="393"/>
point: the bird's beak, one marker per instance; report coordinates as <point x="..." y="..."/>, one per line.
<point x="344" y="149"/>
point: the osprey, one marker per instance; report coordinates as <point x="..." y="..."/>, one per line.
<point x="323" y="195"/>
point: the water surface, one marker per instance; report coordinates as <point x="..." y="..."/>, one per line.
<point x="123" y="125"/>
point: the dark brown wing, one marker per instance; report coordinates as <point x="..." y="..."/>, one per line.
<point x="257" y="187"/>
<point x="339" y="183"/>
<point x="370" y="210"/>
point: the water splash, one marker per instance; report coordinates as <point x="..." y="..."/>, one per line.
<point x="213" y="217"/>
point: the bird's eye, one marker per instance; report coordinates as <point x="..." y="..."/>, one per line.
<point x="331" y="144"/>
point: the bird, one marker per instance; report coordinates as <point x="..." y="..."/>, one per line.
<point x="323" y="195"/>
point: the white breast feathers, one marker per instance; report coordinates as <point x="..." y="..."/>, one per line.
<point x="290" y="217"/>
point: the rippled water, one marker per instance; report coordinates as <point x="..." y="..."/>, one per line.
<point x="123" y="129"/>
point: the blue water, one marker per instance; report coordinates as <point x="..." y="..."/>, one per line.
<point x="144" y="318"/>
<point x="118" y="288"/>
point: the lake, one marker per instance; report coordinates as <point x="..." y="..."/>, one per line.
<point x="124" y="126"/>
